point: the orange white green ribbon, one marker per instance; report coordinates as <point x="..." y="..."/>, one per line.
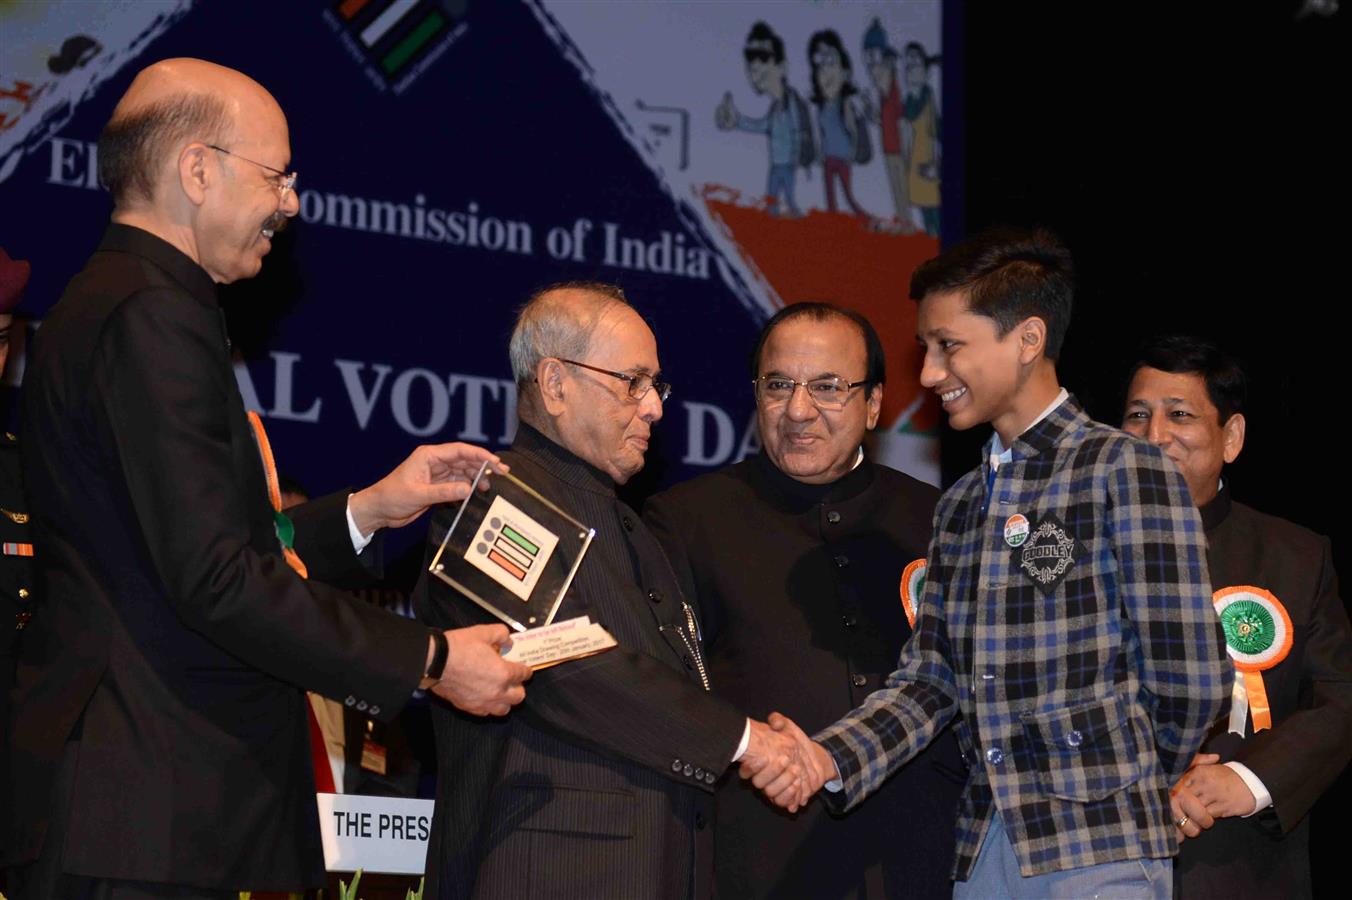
<point x="912" y="584"/>
<point x="286" y="532"/>
<point x="286" y="536"/>
<point x="1258" y="636"/>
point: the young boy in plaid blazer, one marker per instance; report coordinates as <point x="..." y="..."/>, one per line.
<point x="1066" y="623"/>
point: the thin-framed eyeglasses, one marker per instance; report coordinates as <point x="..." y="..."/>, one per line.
<point x="831" y="392"/>
<point x="639" y="384"/>
<point x="284" y="182"/>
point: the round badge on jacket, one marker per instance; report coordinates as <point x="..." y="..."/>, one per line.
<point x="1258" y="630"/>
<point x="1258" y="635"/>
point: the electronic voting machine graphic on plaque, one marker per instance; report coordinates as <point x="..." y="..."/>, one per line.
<point x="510" y="550"/>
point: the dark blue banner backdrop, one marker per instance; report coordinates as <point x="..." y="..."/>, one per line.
<point x="456" y="156"/>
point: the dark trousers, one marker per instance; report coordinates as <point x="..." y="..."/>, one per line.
<point x="44" y="880"/>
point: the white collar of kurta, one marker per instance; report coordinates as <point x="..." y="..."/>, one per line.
<point x="858" y="459"/>
<point x="1001" y="454"/>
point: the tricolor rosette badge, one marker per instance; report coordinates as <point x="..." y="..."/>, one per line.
<point x="1258" y="636"/>
<point x="912" y="584"/>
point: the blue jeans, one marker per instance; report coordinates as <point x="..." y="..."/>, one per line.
<point x="996" y="874"/>
<point x="781" y="181"/>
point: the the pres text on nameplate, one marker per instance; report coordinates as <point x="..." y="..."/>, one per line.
<point x="374" y="834"/>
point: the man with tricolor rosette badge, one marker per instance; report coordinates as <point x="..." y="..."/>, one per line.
<point x="1066" y="626"/>
<point x="1289" y="731"/>
<point x="798" y="591"/>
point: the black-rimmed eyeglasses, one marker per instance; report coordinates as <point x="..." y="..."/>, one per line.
<point x="639" y="384"/>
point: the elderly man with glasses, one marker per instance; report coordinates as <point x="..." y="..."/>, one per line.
<point x="160" y="742"/>
<point x="601" y="784"/>
<point x="803" y="560"/>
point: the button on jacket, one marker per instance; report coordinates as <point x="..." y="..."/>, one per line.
<point x="600" y="783"/>
<point x="799" y="590"/>
<point x="1310" y="693"/>
<point x="1084" y="655"/>
<point x="163" y="666"/>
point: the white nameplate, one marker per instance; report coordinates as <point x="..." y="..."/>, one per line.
<point x="550" y="645"/>
<point x="374" y="834"/>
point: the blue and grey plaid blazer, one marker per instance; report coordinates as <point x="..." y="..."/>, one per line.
<point x="1067" y="616"/>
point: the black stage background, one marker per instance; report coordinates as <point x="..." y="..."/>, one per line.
<point x="1192" y="159"/>
<point x="1192" y="164"/>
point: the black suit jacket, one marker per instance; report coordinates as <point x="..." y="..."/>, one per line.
<point x="1310" y="693"/>
<point x="173" y="640"/>
<point x="599" y="784"/>
<point x="798" y="587"/>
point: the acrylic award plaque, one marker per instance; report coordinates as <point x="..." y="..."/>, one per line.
<point x="509" y="550"/>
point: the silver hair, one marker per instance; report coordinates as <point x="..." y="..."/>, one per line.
<point x="558" y="321"/>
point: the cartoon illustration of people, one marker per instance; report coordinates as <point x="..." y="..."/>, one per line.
<point x="881" y="59"/>
<point x="908" y="121"/>
<point x="921" y="111"/>
<point x="786" y="124"/>
<point x="844" y="137"/>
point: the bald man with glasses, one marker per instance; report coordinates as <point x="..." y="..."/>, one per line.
<point x="160" y="744"/>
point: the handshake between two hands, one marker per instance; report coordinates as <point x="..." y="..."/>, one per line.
<point x="784" y="763"/>
<point x="780" y="760"/>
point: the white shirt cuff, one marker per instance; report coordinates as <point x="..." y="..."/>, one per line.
<point x="1256" y="787"/>
<point x="359" y="540"/>
<point x="746" y="741"/>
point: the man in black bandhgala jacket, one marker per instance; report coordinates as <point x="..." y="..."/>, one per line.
<point x="1245" y="804"/>
<point x="601" y="783"/>
<point x="799" y="559"/>
<point x="160" y="744"/>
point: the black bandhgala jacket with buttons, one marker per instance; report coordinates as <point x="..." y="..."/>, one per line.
<point x="798" y="585"/>
<point x="1310" y="693"/>
<point x="171" y="640"/>
<point x="600" y="783"/>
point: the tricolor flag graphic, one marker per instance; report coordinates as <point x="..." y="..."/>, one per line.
<point x="397" y="33"/>
<point x="514" y="552"/>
